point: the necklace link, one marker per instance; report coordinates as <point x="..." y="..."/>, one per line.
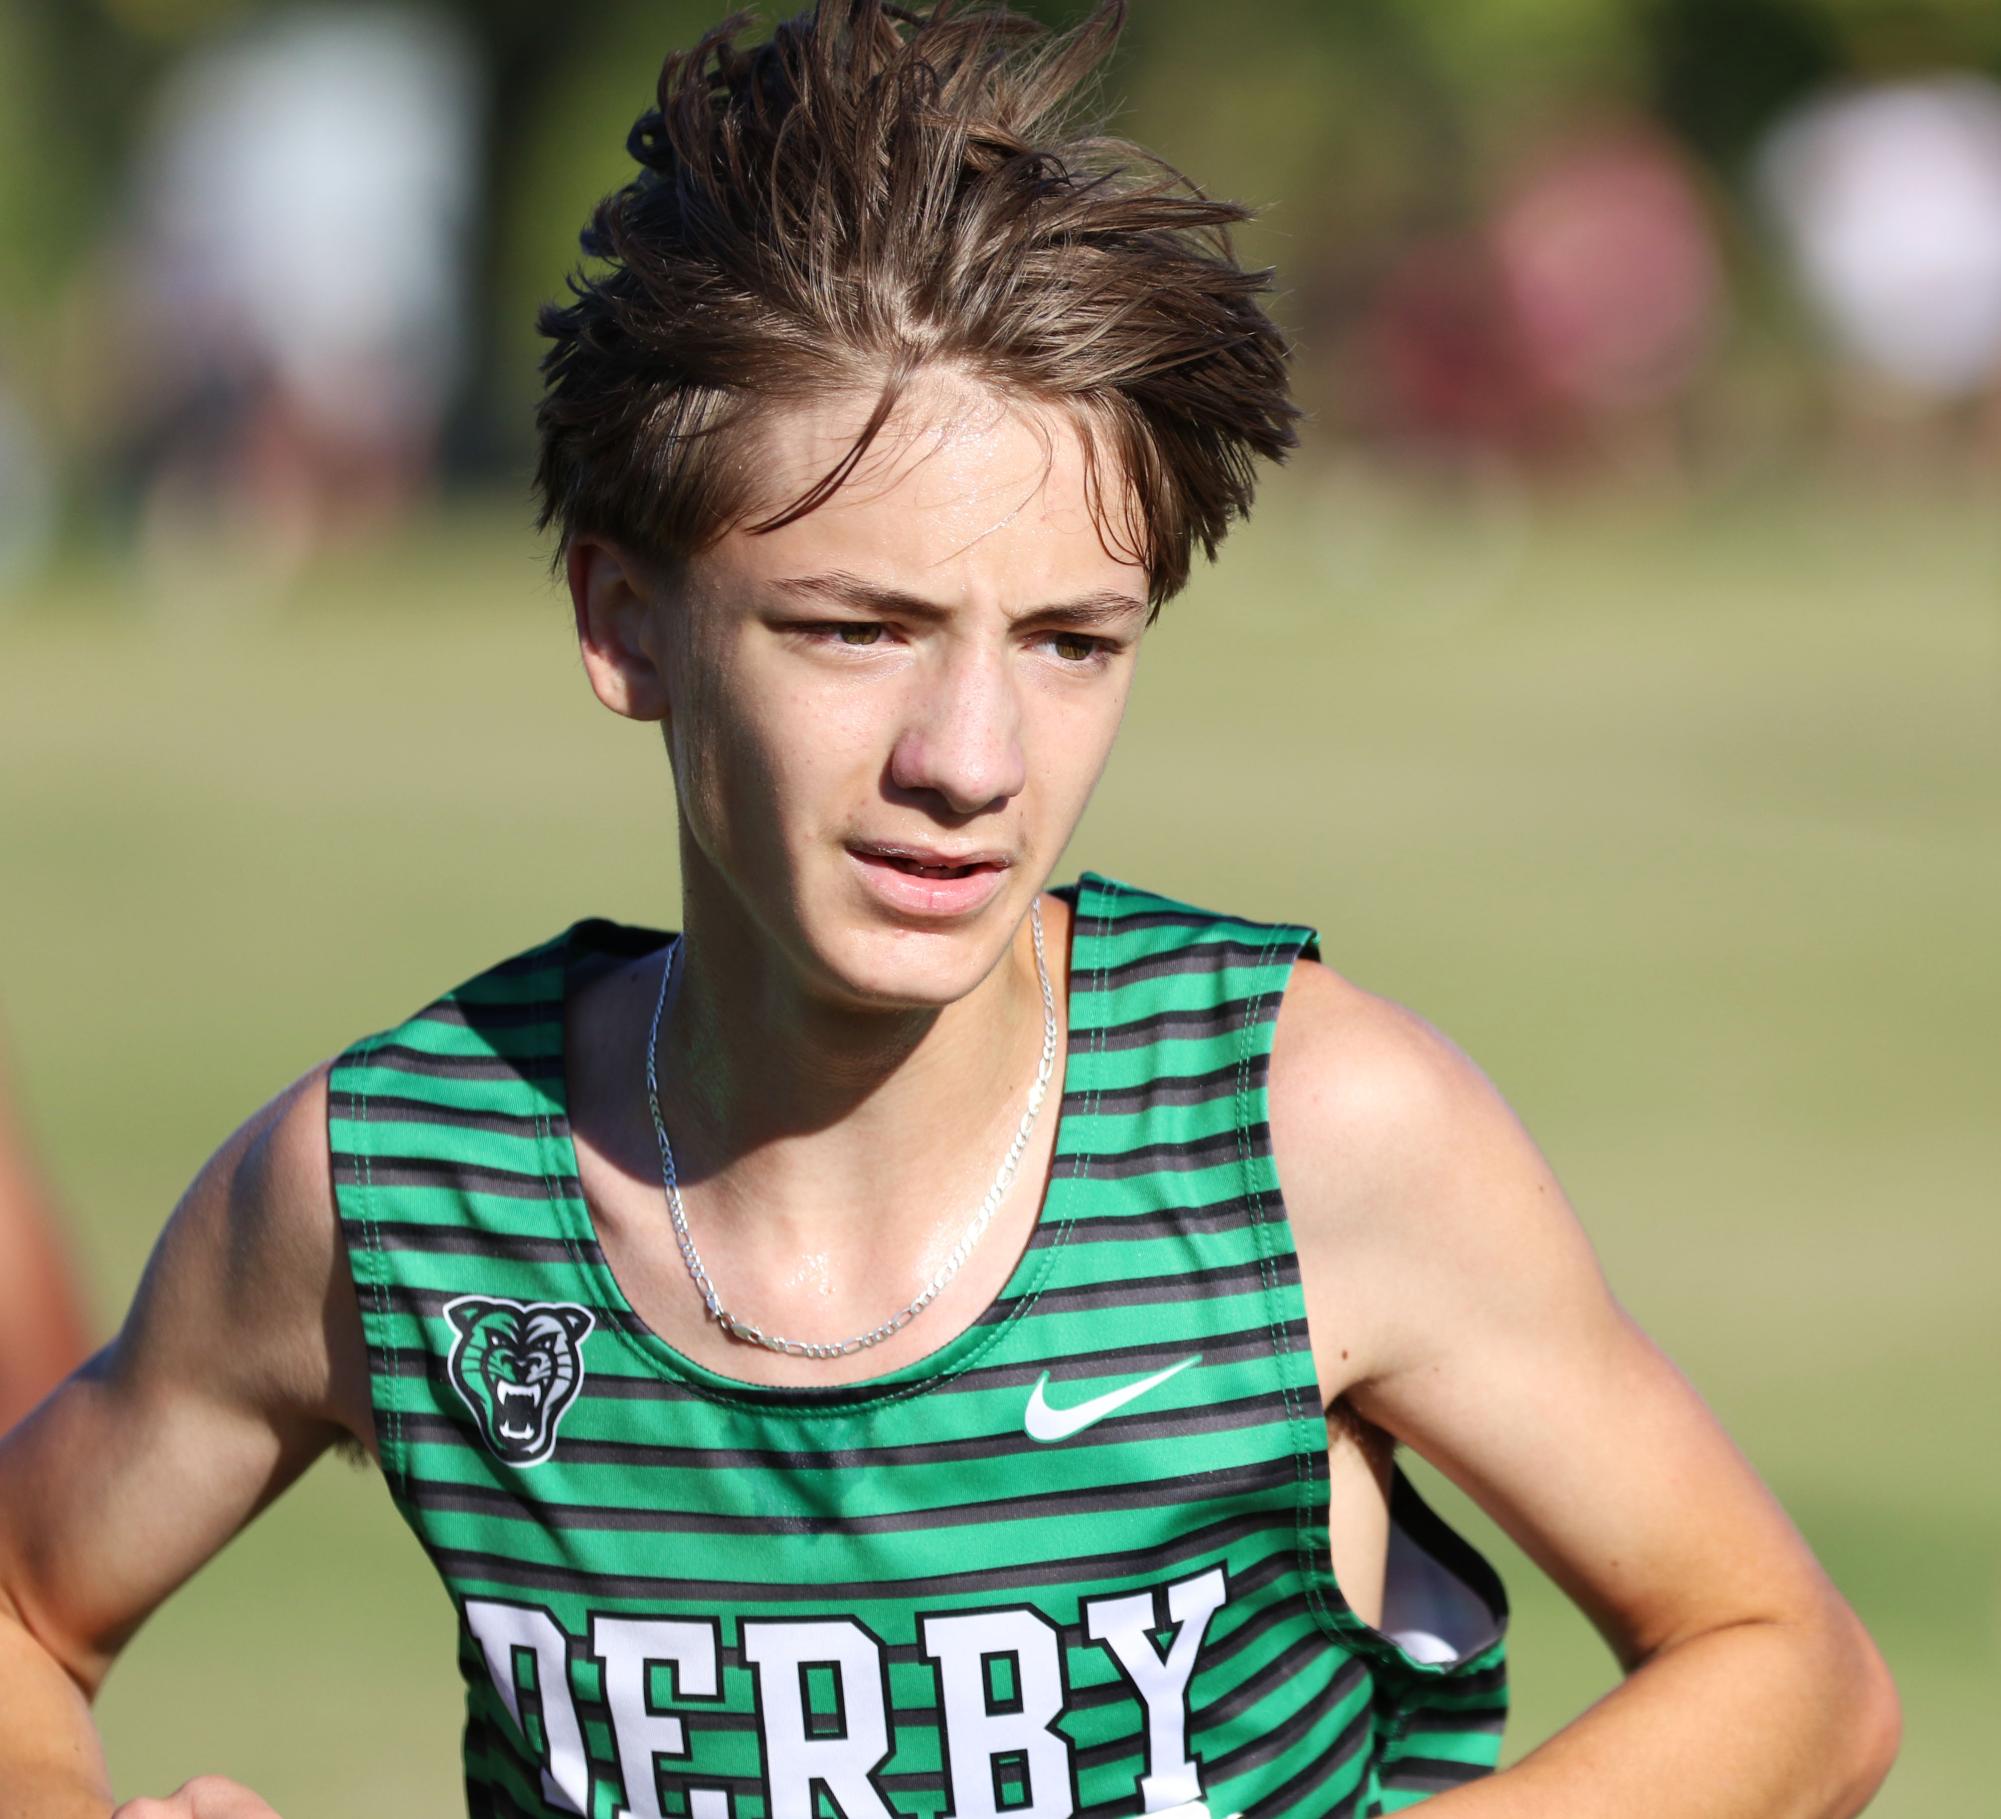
<point x="748" y="1331"/>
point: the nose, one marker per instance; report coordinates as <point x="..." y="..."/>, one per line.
<point x="961" y="741"/>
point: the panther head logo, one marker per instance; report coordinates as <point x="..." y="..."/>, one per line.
<point x="518" y="1368"/>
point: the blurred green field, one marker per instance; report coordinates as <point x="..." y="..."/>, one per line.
<point x="1682" y="821"/>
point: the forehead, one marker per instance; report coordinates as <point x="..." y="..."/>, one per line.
<point x="964" y="494"/>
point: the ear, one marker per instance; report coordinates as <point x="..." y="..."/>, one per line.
<point x="618" y="631"/>
<point x="577" y="1320"/>
<point x="468" y="1311"/>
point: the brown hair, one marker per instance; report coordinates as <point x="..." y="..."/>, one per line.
<point x="877" y="191"/>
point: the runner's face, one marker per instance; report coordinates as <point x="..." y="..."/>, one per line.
<point x="929" y="667"/>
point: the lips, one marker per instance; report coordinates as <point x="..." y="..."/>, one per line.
<point x="930" y="861"/>
<point x="929" y="882"/>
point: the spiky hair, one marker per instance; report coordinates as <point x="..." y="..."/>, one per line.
<point x="873" y="193"/>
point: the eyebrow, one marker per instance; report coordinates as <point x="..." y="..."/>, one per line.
<point x="1104" y="606"/>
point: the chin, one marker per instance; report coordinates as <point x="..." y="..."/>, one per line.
<point x="889" y="965"/>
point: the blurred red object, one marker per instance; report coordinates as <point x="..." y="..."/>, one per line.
<point x="1610" y="269"/>
<point x="1591" y="294"/>
<point x="43" y="1331"/>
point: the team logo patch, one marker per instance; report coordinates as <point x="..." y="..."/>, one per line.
<point x="518" y="1367"/>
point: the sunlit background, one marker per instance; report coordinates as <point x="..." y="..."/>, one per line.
<point x="1612" y="678"/>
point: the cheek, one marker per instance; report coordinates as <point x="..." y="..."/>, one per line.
<point x="753" y="753"/>
<point x="1071" y="734"/>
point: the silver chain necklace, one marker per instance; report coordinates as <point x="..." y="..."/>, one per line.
<point x="748" y="1331"/>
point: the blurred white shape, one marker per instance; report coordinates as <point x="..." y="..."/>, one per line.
<point x="1889" y="198"/>
<point x="305" y="199"/>
<point x="1422" y="1645"/>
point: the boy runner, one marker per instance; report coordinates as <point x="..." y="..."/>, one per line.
<point x="853" y="1358"/>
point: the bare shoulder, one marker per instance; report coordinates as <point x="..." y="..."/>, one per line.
<point x="235" y="1367"/>
<point x="1416" y="1196"/>
<point x="1350" y="1066"/>
<point x="256" y="1240"/>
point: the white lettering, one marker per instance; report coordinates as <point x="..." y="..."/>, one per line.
<point x="1124" y="1625"/>
<point x="503" y="1629"/>
<point x="628" y="1647"/>
<point x="980" y="1729"/>
<point x="843" y="1761"/>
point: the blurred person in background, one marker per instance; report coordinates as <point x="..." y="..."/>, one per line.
<point x="1562" y="329"/>
<point x="903" y="402"/>
<point x="1888" y="197"/>
<point x="293" y="284"/>
<point x="44" y="1333"/>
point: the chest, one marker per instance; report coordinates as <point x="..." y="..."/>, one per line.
<point x="818" y="1272"/>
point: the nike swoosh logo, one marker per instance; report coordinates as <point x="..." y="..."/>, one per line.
<point x="1041" y="1422"/>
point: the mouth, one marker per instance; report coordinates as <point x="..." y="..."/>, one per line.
<point x="928" y="862"/>
<point x="510" y="1393"/>
<point x="930" y="882"/>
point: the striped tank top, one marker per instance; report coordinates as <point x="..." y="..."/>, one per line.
<point x="1073" y="1564"/>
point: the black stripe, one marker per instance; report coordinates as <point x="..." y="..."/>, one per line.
<point x="1217" y="1417"/>
<point x="914" y="1781"/>
<point x="1207" y="1487"/>
<point x="1216" y="1769"/>
<point x="963" y="1583"/>
<point x="1225" y="1018"/>
<point x="1144" y="1291"/>
<point x="1456" y="1721"/>
<point x="390" y="1108"/>
<point x="1322" y="1768"/>
<point x="1279" y="1610"/>
<point x="1109" y="921"/>
<point x="1420" y="1690"/>
<point x="384" y="1170"/>
<point x="1169" y="1222"/>
<point x="541" y="1070"/>
<point x="1137" y="1291"/>
<point x="1248" y="1691"/>
<point x="1190" y="957"/>
<point x="485" y="1746"/>
<point x="1283" y="1735"/>
<point x="1430" y="1774"/>
<point x="406" y="1236"/>
<point x="457" y="1177"/>
<point x="1212" y="1151"/>
<point x="1105" y="1362"/>
<point x="1168" y="1089"/>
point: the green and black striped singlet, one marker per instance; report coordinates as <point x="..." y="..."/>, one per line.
<point x="1073" y="1563"/>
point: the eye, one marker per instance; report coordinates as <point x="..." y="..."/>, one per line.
<point x="1077" y="650"/>
<point x="856" y="631"/>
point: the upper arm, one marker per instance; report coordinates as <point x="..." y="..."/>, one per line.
<point x="226" y="1380"/>
<point x="1438" y="1247"/>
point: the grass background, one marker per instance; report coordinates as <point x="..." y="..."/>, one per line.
<point x="1680" y="817"/>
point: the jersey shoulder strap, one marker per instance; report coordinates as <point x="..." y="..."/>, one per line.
<point x="1173" y="1010"/>
<point x="453" y="1175"/>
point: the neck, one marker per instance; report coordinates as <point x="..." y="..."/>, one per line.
<point x="799" y="1117"/>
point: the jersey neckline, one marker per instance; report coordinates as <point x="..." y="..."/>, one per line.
<point x="984" y="1330"/>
